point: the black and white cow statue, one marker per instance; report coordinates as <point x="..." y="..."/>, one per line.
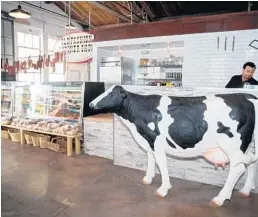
<point x="219" y="128"/>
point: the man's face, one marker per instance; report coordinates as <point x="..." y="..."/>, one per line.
<point x="248" y="72"/>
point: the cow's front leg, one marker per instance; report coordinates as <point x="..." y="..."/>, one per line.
<point x="150" y="173"/>
<point x="161" y="160"/>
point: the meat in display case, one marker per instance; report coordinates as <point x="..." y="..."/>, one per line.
<point x="64" y="100"/>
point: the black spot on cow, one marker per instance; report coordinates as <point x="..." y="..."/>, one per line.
<point x="224" y="129"/>
<point x="170" y="143"/>
<point x="189" y="125"/>
<point x="242" y="111"/>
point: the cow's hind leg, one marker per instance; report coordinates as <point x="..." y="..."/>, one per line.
<point x="250" y="180"/>
<point x="150" y="173"/>
<point x="161" y="160"/>
<point x="237" y="168"/>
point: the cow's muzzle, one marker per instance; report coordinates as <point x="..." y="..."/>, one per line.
<point x="91" y="105"/>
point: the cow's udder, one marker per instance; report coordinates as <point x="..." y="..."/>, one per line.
<point x="216" y="156"/>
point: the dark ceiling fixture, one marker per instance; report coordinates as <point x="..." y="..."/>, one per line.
<point x="19" y="13"/>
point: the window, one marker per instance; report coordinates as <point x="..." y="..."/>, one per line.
<point x="29" y="46"/>
<point x="7" y="50"/>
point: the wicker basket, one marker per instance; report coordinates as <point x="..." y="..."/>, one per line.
<point x="28" y="138"/>
<point x="43" y="141"/>
<point x="5" y="134"/>
<point x="35" y="139"/>
<point x="57" y="144"/>
<point x="15" y="135"/>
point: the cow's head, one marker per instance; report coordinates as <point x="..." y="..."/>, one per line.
<point x="109" y="101"/>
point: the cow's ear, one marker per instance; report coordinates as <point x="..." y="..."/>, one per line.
<point x="123" y="93"/>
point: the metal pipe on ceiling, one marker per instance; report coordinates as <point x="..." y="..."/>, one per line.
<point x="49" y="11"/>
<point x="90" y="16"/>
<point x="131" y="13"/>
<point x="147" y="9"/>
<point x="100" y="5"/>
<point x="249" y="6"/>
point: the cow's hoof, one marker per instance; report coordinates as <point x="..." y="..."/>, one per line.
<point x="162" y="192"/>
<point x="215" y="203"/>
<point x="243" y="194"/>
<point x="146" y="180"/>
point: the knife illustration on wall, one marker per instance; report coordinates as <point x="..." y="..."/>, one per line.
<point x="254" y="44"/>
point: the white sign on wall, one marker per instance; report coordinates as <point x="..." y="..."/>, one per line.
<point x="77" y="45"/>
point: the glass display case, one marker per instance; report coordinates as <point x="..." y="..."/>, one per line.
<point x="48" y="100"/>
<point x="63" y="100"/>
<point x="6" y="99"/>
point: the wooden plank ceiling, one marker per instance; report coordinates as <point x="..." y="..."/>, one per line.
<point x="98" y="14"/>
<point x="113" y="13"/>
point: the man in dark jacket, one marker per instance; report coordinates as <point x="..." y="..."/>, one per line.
<point x="238" y="81"/>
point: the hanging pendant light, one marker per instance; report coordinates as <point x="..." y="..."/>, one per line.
<point x="19" y="13"/>
<point x="70" y="27"/>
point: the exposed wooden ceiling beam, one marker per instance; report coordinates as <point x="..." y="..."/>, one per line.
<point x="81" y="8"/>
<point x="173" y="6"/>
<point x="78" y="14"/>
<point x="53" y="12"/>
<point x="147" y="9"/>
<point x="117" y="3"/>
<point x="121" y="16"/>
<point x="179" y="5"/>
<point x="137" y="7"/>
<point x="164" y="6"/>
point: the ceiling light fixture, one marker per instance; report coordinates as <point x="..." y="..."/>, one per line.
<point x="19" y="13"/>
<point x="70" y="27"/>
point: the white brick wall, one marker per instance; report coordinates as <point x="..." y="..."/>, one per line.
<point x="204" y="64"/>
<point x="207" y="66"/>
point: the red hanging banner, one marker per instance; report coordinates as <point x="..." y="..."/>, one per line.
<point x="43" y="61"/>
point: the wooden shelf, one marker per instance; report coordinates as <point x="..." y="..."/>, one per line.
<point x="40" y="131"/>
<point x="69" y="138"/>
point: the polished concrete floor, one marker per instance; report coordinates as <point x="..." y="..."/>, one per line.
<point x="42" y="183"/>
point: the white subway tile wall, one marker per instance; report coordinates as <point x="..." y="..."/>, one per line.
<point x="208" y="65"/>
<point x="205" y="63"/>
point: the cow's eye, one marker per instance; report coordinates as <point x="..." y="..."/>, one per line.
<point x="123" y="93"/>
